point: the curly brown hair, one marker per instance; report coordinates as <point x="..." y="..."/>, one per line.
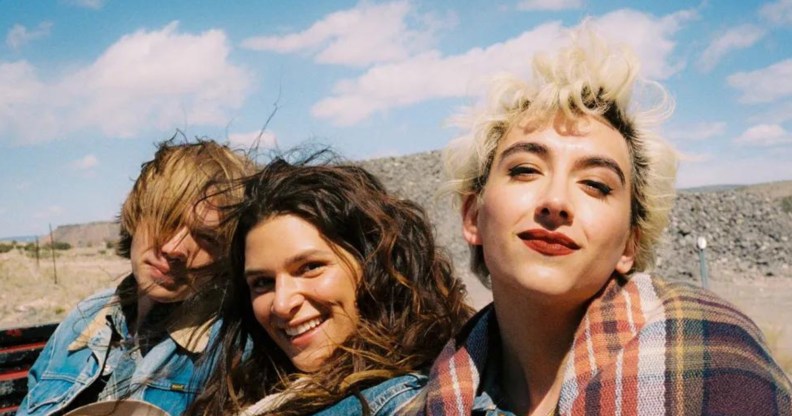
<point x="408" y="299"/>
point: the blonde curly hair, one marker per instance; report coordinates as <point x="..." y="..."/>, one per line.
<point x="587" y="78"/>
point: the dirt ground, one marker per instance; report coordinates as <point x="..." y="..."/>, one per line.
<point x="29" y="294"/>
<point x="768" y="302"/>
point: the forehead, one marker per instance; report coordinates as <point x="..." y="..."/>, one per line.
<point x="562" y="137"/>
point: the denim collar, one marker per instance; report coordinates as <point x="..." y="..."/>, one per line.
<point x="191" y="337"/>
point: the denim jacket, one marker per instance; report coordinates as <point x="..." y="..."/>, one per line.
<point x="383" y="399"/>
<point x="78" y="351"/>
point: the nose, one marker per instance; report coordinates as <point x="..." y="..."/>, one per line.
<point x="288" y="297"/>
<point x="178" y="246"/>
<point x="554" y="208"/>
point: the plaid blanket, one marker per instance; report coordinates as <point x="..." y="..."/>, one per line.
<point x="644" y="347"/>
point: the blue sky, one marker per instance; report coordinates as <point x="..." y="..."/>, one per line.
<point x="88" y="86"/>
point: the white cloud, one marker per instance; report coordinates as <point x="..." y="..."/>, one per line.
<point x="549" y="4"/>
<point x="365" y="34"/>
<point x="764" y="135"/>
<point x="779" y="12"/>
<point x="256" y="138"/>
<point x="430" y="75"/>
<point x="698" y="131"/>
<point x="88" y="4"/>
<point x="778" y="113"/>
<point x="85" y="163"/>
<point x="651" y="38"/>
<point x="19" y="35"/>
<point x="692" y="157"/>
<point x="764" y="85"/>
<point x="721" y="169"/>
<point x="739" y="37"/>
<point x="147" y="80"/>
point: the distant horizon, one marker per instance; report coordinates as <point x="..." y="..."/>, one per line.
<point x="706" y="188"/>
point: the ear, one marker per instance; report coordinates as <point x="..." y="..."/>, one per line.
<point x="627" y="259"/>
<point x="470" y="210"/>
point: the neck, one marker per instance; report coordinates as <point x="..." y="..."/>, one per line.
<point x="536" y="334"/>
<point x="144" y="306"/>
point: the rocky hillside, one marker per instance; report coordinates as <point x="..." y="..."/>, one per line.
<point x="747" y="231"/>
<point x="85" y="235"/>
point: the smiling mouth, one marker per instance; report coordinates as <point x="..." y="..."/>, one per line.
<point x="296" y="331"/>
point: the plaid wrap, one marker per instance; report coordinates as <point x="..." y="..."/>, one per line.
<point x="644" y="347"/>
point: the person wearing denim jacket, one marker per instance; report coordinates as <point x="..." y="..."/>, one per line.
<point x="340" y="289"/>
<point x="80" y="349"/>
<point x="145" y="340"/>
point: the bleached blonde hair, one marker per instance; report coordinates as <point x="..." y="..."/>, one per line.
<point x="587" y="78"/>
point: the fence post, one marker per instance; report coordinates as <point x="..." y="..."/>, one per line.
<point x="52" y="250"/>
<point x="701" y="244"/>
<point x="38" y="265"/>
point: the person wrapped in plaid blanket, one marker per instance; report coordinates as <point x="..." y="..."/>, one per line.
<point x="565" y="189"/>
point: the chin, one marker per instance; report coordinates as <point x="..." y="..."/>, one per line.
<point x="162" y="295"/>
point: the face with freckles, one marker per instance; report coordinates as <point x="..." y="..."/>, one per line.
<point x="302" y="288"/>
<point x="553" y="218"/>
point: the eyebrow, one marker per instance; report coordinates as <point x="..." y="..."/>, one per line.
<point x="602" y="162"/>
<point x="297" y="258"/>
<point x="588" y="162"/>
<point x="526" y="147"/>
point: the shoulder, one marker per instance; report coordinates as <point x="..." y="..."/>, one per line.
<point x="702" y="334"/>
<point x="384" y="398"/>
<point x="84" y="313"/>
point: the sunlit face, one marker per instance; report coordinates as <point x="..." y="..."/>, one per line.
<point x="166" y="274"/>
<point x="554" y="215"/>
<point x="302" y="288"/>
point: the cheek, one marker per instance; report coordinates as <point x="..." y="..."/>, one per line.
<point x="339" y="290"/>
<point x="261" y="310"/>
<point x="202" y="258"/>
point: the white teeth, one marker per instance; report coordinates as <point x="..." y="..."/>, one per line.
<point x="302" y="328"/>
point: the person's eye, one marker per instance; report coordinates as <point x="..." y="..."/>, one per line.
<point x="206" y="238"/>
<point x="260" y="284"/>
<point x="312" y="268"/>
<point x="523" y="171"/>
<point x="596" y="187"/>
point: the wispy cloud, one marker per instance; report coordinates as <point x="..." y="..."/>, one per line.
<point x="146" y="80"/>
<point x="253" y="139"/>
<point x="693" y="157"/>
<point x="20" y="35"/>
<point x="549" y="4"/>
<point x="430" y="75"/>
<point x="778" y="113"/>
<point x="88" y="4"/>
<point x="744" y="169"/>
<point x="779" y="12"/>
<point x="764" y="85"/>
<point x="366" y="34"/>
<point x="739" y="37"/>
<point x="85" y="163"/>
<point x="697" y="131"/>
<point x="49" y="212"/>
<point x="764" y="135"/>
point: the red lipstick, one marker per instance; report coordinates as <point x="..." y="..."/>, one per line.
<point x="548" y="243"/>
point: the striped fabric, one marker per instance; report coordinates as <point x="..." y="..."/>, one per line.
<point x="644" y="347"/>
